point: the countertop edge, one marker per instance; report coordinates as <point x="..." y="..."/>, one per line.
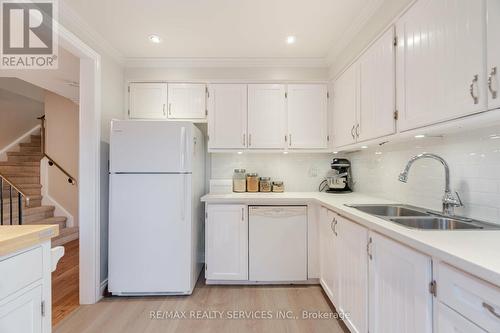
<point x="36" y="234"/>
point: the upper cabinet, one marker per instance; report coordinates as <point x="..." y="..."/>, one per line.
<point x="227" y="116"/>
<point x="147" y="100"/>
<point x="345" y="107"/>
<point x="493" y="67"/>
<point x="441" y="70"/>
<point x="364" y="95"/>
<point x="266" y="116"/>
<point x="377" y="89"/>
<point x="307" y="116"/>
<point x="186" y="101"/>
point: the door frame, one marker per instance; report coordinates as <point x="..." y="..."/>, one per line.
<point x="89" y="164"/>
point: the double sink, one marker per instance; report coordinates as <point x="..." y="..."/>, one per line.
<point x="419" y="218"/>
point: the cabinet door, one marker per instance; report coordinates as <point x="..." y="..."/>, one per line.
<point x="493" y="53"/>
<point x="345" y="104"/>
<point x="441" y="68"/>
<point x="377" y="89"/>
<point x="307" y="116"/>
<point x="186" y="101"/>
<point x="227" y="116"/>
<point x="22" y="313"/>
<point x="227" y="242"/>
<point x="449" y="321"/>
<point x="266" y="116"/>
<point x="328" y="255"/>
<point x="353" y="274"/>
<point x="147" y="100"/>
<point x="399" y="284"/>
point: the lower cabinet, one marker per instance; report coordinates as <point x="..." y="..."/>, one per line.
<point x="378" y="284"/>
<point x="450" y="321"/>
<point x="226" y="242"/>
<point x="400" y="300"/>
<point x="22" y="314"/>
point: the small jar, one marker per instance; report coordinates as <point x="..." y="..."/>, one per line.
<point x="265" y="184"/>
<point x="239" y="181"/>
<point x="278" y="186"/>
<point x="252" y="182"/>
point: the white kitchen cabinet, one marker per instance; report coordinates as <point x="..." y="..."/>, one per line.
<point x="22" y="314"/>
<point x="377" y="89"/>
<point x="227" y="116"/>
<point x="266" y="116"/>
<point x="449" y="321"/>
<point x="329" y="248"/>
<point x="147" y="100"/>
<point x="307" y="116"/>
<point x="400" y="300"/>
<point x="353" y="273"/>
<point x="186" y="101"/>
<point x="345" y="106"/>
<point x="226" y="242"/>
<point x="441" y="69"/>
<point x="493" y="67"/>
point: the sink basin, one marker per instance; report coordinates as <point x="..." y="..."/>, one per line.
<point x="389" y="210"/>
<point x="419" y="218"/>
<point x="434" y="223"/>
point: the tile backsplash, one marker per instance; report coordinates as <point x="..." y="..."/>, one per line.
<point x="300" y="172"/>
<point x="474" y="160"/>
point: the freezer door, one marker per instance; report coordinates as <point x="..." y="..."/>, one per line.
<point x="150" y="146"/>
<point x="149" y="234"/>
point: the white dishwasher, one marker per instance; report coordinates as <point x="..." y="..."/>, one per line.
<point x="277" y="241"/>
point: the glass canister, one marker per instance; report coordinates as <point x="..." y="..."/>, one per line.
<point x="265" y="184"/>
<point x="239" y="180"/>
<point x="278" y="186"/>
<point x="252" y="182"/>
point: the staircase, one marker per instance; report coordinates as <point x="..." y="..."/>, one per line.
<point x="22" y="169"/>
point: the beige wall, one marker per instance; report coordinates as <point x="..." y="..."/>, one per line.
<point x="18" y="115"/>
<point x="61" y="122"/>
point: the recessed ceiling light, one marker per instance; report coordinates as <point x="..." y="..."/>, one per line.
<point x="378" y="153"/>
<point x="154" y="39"/>
<point x="285" y="152"/>
<point x="419" y="136"/>
<point x="495" y="136"/>
<point x="364" y="147"/>
<point x="291" y="39"/>
<point x="240" y="152"/>
<point x="335" y="152"/>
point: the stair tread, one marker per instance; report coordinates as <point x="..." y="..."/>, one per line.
<point x="27" y="211"/>
<point x="22" y="163"/>
<point x="51" y="220"/>
<point x="23" y="153"/>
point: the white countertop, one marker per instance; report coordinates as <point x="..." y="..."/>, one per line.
<point x="476" y="252"/>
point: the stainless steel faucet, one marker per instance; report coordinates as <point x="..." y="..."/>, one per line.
<point x="450" y="200"/>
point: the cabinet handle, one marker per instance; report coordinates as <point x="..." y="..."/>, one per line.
<point x="352" y="131"/>
<point x="169" y="109"/>
<point x="475" y="98"/>
<point x="369" y="248"/>
<point x="493" y="73"/>
<point x="290" y="140"/>
<point x="491" y="309"/>
<point x="333" y="226"/>
<point x="164" y="110"/>
<point x="243" y="214"/>
<point x="244" y="139"/>
<point x="357" y="130"/>
<point x="249" y="139"/>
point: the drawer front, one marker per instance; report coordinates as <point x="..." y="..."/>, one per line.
<point x="450" y="321"/>
<point x="20" y="270"/>
<point x="476" y="300"/>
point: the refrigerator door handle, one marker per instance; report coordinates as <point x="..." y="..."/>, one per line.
<point x="183" y="148"/>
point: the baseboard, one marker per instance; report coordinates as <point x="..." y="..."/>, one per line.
<point x="23" y="138"/>
<point x="50" y="201"/>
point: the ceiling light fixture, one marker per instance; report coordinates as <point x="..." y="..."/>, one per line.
<point x="285" y="152"/>
<point x="240" y="153"/>
<point x="419" y="136"/>
<point x="291" y="39"/>
<point x="154" y="39"/>
<point x="364" y="147"/>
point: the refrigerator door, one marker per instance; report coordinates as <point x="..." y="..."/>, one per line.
<point x="149" y="234"/>
<point x="151" y="146"/>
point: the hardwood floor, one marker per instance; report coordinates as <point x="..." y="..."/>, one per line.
<point x="126" y="314"/>
<point x="65" y="295"/>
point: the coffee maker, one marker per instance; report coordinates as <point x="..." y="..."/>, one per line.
<point x="339" y="179"/>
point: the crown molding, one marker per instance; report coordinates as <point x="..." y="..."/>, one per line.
<point x="73" y="22"/>
<point x="225" y="62"/>
<point x="361" y="20"/>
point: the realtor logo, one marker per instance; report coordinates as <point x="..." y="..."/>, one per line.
<point x="28" y="34"/>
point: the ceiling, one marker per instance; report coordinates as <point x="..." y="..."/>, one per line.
<point x="222" y="28"/>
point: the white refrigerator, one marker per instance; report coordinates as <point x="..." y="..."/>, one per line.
<point x="155" y="214"/>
